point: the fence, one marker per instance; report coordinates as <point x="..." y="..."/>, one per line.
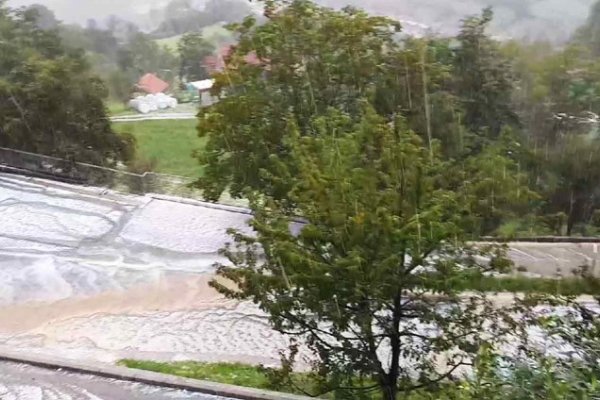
<point x="48" y="167"/>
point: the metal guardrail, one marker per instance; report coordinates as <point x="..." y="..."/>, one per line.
<point x="54" y="168"/>
<point x="543" y="239"/>
<point x="48" y="167"/>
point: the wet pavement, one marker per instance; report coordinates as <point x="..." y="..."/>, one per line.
<point x="98" y="275"/>
<point x="24" y="382"/>
<point x="91" y="274"/>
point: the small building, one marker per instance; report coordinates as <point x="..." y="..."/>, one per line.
<point x="152" y="84"/>
<point x="203" y="88"/>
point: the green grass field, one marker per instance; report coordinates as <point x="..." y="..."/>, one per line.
<point x="168" y="143"/>
<point x="116" y="108"/>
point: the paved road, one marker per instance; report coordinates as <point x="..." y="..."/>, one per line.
<point x="555" y="259"/>
<point x="97" y="275"/>
<point x="153" y="117"/>
<point x="23" y="382"/>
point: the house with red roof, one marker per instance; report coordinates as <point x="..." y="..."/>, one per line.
<point x="152" y="84"/>
<point x="216" y="63"/>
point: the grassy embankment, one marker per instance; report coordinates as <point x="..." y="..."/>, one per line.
<point x="233" y="374"/>
<point x="229" y="373"/>
<point x="568" y="286"/>
<point x="117" y="108"/>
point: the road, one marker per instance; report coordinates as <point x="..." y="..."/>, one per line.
<point x="24" y="382"/>
<point x="153" y="117"/>
<point x="98" y="275"/>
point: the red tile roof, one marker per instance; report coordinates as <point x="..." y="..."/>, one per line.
<point x="217" y="62"/>
<point x="152" y="84"/>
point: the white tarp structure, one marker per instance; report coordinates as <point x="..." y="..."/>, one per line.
<point x="204" y="85"/>
<point x="152" y="102"/>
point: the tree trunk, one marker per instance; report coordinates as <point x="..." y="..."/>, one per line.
<point x="571" y="217"/>
<point x="390" y="383"/>
<point x="426" y="101"/>
<point x="390" y="391"/>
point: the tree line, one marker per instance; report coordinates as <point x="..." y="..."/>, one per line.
<point x="520" y="116"/>
<point x="50" y="100"/>
<point x="55" y="79"/>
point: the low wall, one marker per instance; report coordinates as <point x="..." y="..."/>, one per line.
<point x="147" y="377"/>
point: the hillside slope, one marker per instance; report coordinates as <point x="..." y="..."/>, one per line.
<point x="552" y="20"/>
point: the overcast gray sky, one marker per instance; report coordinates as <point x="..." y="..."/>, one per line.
<point x="81" y="10"/>
<point x="534" y="19"/>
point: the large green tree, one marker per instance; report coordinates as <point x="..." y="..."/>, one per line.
<point x="142" y="55"/>
<point x="360" y="276"/>
<point x="50" y="102"/>
<point x="193" y="48"/>
<point x="483" y="79"/>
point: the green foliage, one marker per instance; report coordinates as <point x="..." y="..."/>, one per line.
<point x="116" y="108"/>
<point x="381" y="235"/>
<point x="497" y="187"/>
<point x="142" y="55"/>
<point x="589" y="33"/>
<point x="558" y="97"/>
<point x="50" y="102"/>
<point x="418" y="85"/>
<point x="121" y="54"/>
<point x="181" y="17"/>
<point x="192" y="49"/>
<point x="493" y="378"/>
<point x="120" y="88"/>
<point x="574" y="162"/>
<point x="483" y="79"/>
<point x="233" y="374"/>
<point x="217" y="35"/>
<point x="312" y="59"/>
<point x="574" y="286"/>
<point x="315" y="58"/>
<point x="44" y="17"/>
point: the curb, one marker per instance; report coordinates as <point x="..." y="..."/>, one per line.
<point x="147" y="377"/>
<point x="200" y="203"/>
